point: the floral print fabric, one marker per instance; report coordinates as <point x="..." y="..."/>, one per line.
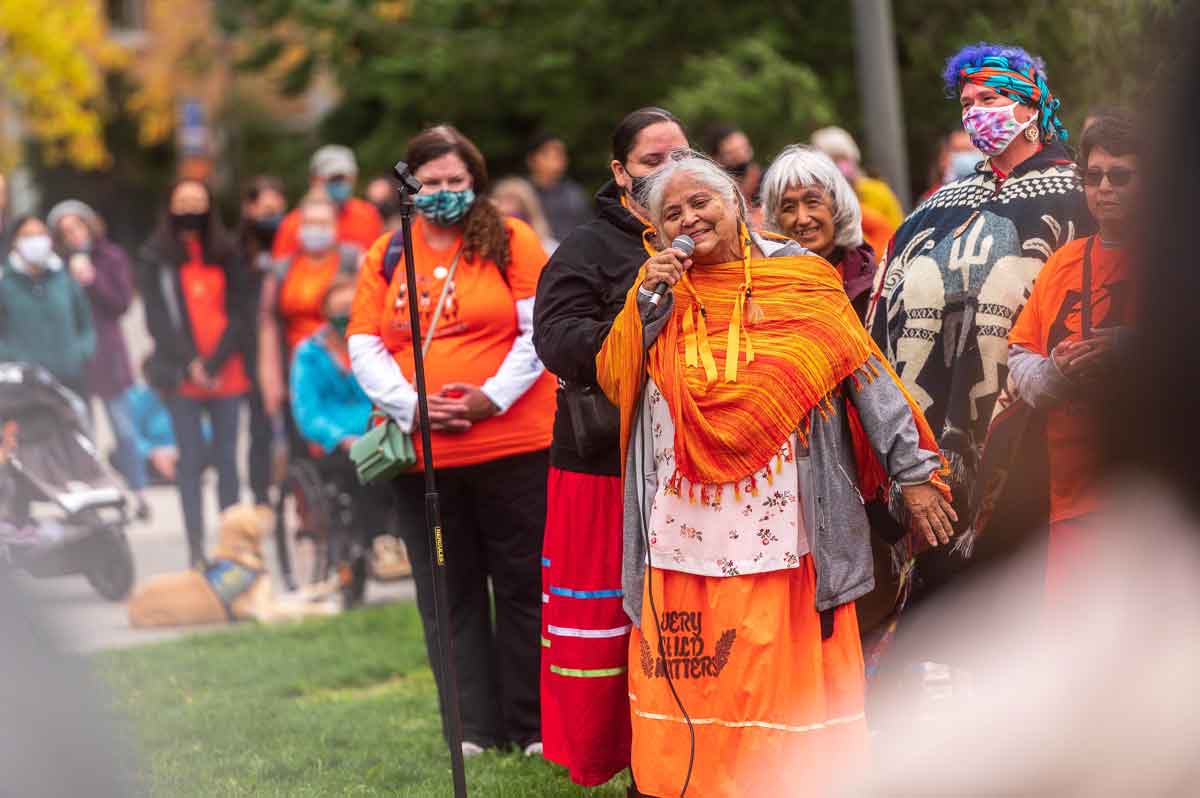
<point x="731" y="531"/>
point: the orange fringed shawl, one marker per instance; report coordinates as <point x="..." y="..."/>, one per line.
<point x="741" y="372"/>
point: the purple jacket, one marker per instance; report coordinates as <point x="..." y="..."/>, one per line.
<point x="858" y="267"/>
<point x="110" y="295"/>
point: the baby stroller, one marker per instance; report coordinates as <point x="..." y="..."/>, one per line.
<point x="61" y="510"/>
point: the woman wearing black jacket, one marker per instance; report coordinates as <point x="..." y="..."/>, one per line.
<point x="263" y="206"/>
<point x="585" y="633"/>
<point x="197" y="307"/>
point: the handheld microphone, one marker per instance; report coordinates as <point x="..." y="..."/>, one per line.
<point x="684" y="244"/>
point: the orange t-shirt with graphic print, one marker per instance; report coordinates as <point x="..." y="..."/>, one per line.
<point x="204" y="292"/>
<point x="475" y="333"/>
<point x="302" y="296"/>
<point x="1053" y="315"/>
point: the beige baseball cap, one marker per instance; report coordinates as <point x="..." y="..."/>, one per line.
<point x="333" y="159"/>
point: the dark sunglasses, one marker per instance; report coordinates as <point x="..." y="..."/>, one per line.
<point x="1118" y="177"/>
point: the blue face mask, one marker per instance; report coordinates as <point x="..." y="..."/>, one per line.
<point x="338" y="190"/>
<point x="445" y="208"/>
<point x="962" y="164"/>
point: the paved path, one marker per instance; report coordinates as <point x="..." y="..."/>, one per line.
<point x="86" y="622"/>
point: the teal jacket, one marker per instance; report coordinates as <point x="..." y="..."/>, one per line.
<point x="46" y="320"/>
<point x="327" y="403"/>
<point x="152" y="422"/>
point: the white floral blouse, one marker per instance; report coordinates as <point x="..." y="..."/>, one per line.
<point x="727" y="532"/>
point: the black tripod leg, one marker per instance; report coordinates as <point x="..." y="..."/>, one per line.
<point x="445" y="634"/>
<point x="409" y="185"/>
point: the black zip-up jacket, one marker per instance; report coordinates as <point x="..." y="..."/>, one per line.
<point x="169" y="325"/>
<point x="580" y="292"/>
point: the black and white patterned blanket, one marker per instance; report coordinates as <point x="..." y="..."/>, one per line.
<point x="958" y="272"/>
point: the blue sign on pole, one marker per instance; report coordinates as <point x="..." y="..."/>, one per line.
<point x="193" y="135"/>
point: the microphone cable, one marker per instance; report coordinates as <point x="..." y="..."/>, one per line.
<point x="645" y="525"/>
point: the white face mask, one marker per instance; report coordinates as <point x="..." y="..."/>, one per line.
<point x="34" y="250"/>
<point x="316" y="237"/>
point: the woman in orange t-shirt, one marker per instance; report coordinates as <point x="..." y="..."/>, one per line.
<point x="290" y="308"/>
<point x="491" y="405"/>
<point x="195" y="293"/>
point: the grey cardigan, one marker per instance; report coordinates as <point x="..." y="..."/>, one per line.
<point x="835" y="516"/>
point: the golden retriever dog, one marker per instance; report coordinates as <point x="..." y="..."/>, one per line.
<point x="235" y="586"/>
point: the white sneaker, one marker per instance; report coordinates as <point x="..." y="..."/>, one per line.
<point x="534" y="749"/>
<point x="470" y="749"/>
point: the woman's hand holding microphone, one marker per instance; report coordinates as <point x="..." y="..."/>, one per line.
<point x="667" y="267"/>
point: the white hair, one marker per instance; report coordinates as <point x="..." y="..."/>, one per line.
<point x="802" y="165"/>
<point x="836" y="142"/>
<point x="695" y="165"/>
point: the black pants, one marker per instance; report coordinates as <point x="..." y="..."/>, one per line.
<point x="493" y="517"/>
<point x="258" y="457"/>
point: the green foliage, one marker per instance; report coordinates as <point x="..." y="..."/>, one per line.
<point x="503" y="69"/>
<point x="776" y="101"/>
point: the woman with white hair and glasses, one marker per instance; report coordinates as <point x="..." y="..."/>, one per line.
<point x="807" y="199"/>
<point x="744" y="396"/>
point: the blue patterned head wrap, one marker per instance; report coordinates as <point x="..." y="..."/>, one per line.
<point x="1009" y="71"/>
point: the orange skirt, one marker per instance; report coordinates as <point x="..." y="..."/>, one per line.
<point x="777" y="711"/>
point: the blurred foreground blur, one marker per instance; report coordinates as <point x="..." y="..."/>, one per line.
<point x="1094" y="697"/>
<point x="56" y="737"/>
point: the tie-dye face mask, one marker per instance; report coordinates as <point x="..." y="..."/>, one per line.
<point x="993" y="129"/>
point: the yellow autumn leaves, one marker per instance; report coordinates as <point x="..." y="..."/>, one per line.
<point x="53" y="55"/>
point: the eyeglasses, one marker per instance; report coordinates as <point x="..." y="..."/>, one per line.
<point x="1118" y="177"/>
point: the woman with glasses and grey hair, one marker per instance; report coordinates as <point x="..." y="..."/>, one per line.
<point x="807" y="199"/>
<point x="744" y="526"/>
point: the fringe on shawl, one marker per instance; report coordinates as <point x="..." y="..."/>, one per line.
<point x="621" y="368"/>
<point x="874" y="483"/>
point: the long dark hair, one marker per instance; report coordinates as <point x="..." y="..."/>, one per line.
<point x="624" y="138"/>
<point x="215" y="242"/>
<point x="246" y="235"/>
<point x="485" y="234"/>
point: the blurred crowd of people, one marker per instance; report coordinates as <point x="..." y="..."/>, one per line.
<point x="812" y="394"/>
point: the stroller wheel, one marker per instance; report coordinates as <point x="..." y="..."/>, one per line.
<point x="110" y="565"/>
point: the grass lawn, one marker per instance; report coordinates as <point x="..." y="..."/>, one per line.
<point x="338" y="706"/>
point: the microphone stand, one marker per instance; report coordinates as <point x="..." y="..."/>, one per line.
<point x="448" y="684"/>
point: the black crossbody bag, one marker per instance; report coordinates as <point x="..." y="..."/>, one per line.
<point x="595" y="421"/>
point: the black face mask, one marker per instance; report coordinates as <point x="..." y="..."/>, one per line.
<point x="738" y="171"/>
<point x="638" y="186"/>
<point x="387" y="209"/>
<point x="189" y="222"/>
<point x="265" y="229"/>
